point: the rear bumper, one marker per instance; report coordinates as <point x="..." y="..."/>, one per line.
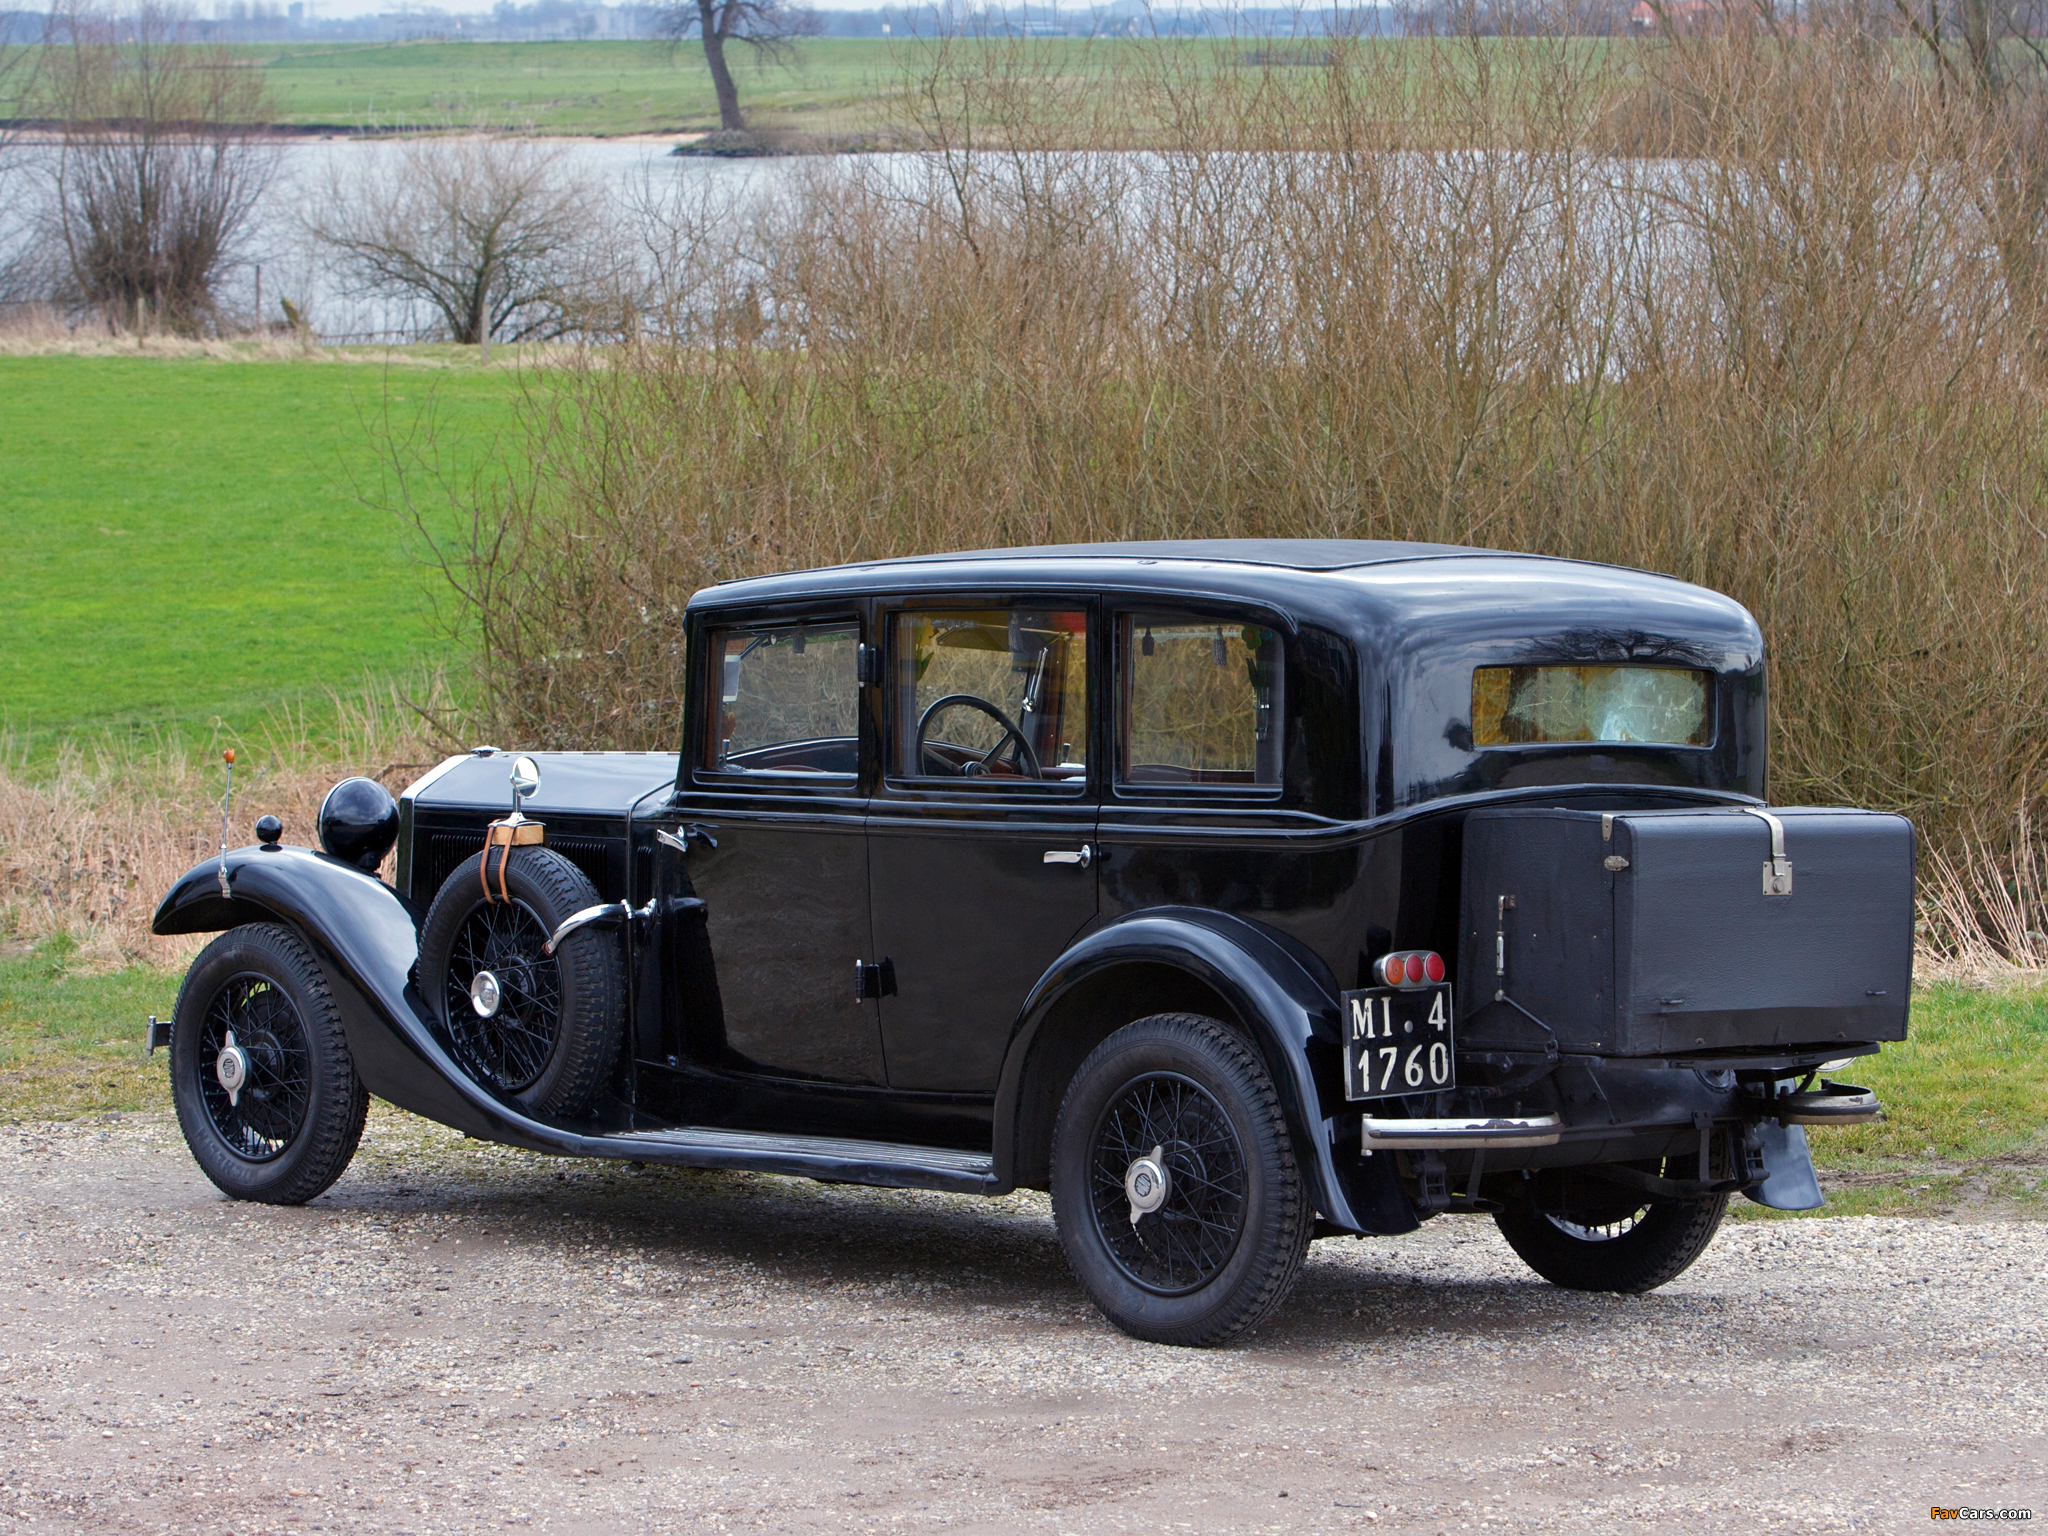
<point x="1502" y="1131"/>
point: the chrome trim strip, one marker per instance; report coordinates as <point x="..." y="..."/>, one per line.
<point x="426" y="780"/>
<point x="1516" y="1131"/>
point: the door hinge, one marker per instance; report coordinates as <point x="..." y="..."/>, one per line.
<point x="873" y="981"/>
<point x="867" y="666"/>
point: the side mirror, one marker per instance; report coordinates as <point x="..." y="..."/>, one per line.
<point x="525" y="778"/>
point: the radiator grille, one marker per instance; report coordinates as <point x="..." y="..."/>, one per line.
<point x="445" y="852"/>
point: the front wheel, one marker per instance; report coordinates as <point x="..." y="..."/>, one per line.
<point x="266" y="1092"/>
<point x="1631" y="1246"/>
<point x="1174" y="1184"/>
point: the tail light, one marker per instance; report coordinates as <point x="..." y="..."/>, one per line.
<point x="1409" y="968"/>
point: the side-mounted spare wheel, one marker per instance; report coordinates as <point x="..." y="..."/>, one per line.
<point x="542" y="1029"/>
<point x="266" y="1091"/>
<point x="1174" y="1183"/>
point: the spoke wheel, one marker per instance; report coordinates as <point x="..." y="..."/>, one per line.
<point x="510" y="1048"/>
<point x="1185" y="1243"/>
<point x="1599" y="1232"/>
<point x="266" y="1091"/>
<point x="544" y="1031"/>
<point x="252" y="1014"/>
<point x="1174" y="1184"/>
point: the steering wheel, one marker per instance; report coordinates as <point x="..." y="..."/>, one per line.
<point x="1026" y="758"/>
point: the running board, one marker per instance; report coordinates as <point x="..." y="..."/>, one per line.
<point x="835" y="1159"/>
<point x="1516" y="1131"/>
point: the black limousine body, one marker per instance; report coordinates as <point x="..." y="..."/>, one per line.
<point x="1238" y="893"/>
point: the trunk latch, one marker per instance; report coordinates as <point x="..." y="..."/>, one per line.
<point x="1777" y="868"/>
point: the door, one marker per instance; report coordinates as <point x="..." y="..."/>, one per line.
<point x="772" y="842"/>
<point x="981" y="834"/>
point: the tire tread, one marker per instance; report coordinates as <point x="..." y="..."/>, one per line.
<point x="1655" y="1252"/>
<point x="339" y="1105"/>
<point x="1291" y="1219"/>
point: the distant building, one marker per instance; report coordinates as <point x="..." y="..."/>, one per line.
<point x="1680" y="18"/>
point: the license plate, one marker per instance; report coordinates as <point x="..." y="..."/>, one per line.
<point x="1398" y="1040"/>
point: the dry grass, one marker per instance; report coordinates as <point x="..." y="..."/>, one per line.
<point x="32" y="331"/>
<point x="90" y="843"/>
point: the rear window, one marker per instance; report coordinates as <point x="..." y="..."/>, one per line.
<point x="1521" y="706"/>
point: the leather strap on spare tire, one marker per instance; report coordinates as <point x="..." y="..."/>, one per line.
<point x="500" y="838"/>
<point x="542" y="1030"/>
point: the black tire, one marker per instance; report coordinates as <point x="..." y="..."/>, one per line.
<point x="555" y="1037"/>
<point x="1631" y="1250"/>
<point x="288" y="1132"/>
<point x="1226" y="1246"/>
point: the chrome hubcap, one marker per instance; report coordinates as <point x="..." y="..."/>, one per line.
<point x="484" y="994"/>
<point x="232" y="1068"/>
<point x="1146" y="1184"/>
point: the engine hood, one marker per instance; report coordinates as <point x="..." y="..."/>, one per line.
<point x="607" y="784"/>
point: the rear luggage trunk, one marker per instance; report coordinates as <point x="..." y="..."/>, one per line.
<point x="1675" y="933"/>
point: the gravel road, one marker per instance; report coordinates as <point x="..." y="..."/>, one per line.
<point x="459" y="1337"/>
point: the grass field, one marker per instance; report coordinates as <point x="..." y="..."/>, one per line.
<point x="835" y="87"/>
<point x="188" y="540"/>
<point x="571" y="88"/>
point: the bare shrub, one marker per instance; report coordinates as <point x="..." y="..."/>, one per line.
<point x="496" y="236"/>
<point x="159" y="165"/>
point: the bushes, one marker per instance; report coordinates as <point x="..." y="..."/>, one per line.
<point x="1785" y="367"/>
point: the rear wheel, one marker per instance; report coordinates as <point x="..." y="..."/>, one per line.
<point x="1634" y="1245"/>
<point x="1174" y="1184"/>
<point x="266" y="1092"/>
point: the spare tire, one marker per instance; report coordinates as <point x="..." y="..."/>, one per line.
<point x="544" y="1030"/>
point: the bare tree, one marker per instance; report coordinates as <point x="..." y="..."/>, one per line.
<point x="769" y="27"/>
<point x="1991" y="62"/>
<point x="159" y="166"/>
<point x="495" y="235"/>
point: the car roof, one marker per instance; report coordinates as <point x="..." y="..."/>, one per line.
<point x="1287" y="554"/>
<point x="1129" y="559"/>
<point x="1383" y="589"/>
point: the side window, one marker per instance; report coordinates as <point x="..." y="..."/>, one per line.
<point x="990" y="693"/>
<point x="785" y="700"/>
<point x="1203" y="702"/>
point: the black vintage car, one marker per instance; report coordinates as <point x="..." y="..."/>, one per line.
<point x="1238" y="893"/>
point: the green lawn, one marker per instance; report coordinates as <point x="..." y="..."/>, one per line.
<point x="1966" y="1111"/>
<point x="188" y="540"/>
<point x="845" y="87"/>
<point x="573" y="88"/>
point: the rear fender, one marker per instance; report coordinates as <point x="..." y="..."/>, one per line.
<point x="1291" y="1018"/>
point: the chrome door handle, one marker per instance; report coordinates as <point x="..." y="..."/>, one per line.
<point x="1083" y="856"/>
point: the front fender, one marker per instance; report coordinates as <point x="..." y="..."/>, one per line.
<point x="1293" y="1020"/>
<point x="368" y="944"/>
